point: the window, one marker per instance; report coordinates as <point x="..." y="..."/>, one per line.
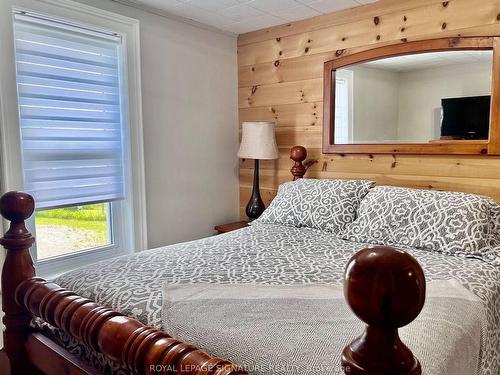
<point x="76" y="118"/>
<point x="343" y="106"/>
<point x="62" y="231"/>
<point x="69" y="91"/>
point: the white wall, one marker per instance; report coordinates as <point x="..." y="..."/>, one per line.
<point x="375" y="104"/>
<point x="189" y="94"/>
<point x="421" y="92"/>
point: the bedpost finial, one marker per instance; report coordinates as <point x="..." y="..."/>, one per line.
<point x="385" y="288"/>
<point x="16" y="206"/>
<point x="298" y="154"/>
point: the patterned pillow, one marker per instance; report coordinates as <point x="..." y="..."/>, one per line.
<point x="492" y="255"/>
<point x="454" y="223"/>
<point x="495" y="223"/>
<point x="320" y="204"/>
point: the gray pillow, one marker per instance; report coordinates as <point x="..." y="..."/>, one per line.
<point x="454" y="223"/>
<point x="492" y="255"/>
<point x="495" y="223"/>
<point x="327" y="205"/>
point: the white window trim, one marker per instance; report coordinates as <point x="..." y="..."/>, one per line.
<point x="348" y="76"/>
<point x="10" y="158"/>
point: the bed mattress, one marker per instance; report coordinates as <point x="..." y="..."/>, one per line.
<point x="263" y="254"/>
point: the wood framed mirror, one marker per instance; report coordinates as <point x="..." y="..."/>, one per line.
<point x="438" y="96"/>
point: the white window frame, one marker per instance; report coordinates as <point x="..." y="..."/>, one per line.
<point x="130" y="228"/>
<point x="348" y="76"/>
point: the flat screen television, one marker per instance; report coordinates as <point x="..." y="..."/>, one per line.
<point x="466" y="118"/>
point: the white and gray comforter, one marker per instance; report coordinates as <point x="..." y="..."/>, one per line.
<point x="264" y="254"/>
<point x="302" y="329"/>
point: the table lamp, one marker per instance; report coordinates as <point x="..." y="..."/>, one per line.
<point x="258" y="142"/>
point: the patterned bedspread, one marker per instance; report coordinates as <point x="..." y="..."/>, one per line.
<point x="261" y="254"/>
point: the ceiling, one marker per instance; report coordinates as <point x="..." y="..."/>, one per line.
<point x="241" y="16"/>
<point x="421" y="61"/>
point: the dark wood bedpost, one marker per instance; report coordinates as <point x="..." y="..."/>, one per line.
<point x="385" y="287"/>
<point x="299" y="154"/>
<point x="18" y="267"/>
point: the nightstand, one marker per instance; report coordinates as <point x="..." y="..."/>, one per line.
<point x="230" y="227"/>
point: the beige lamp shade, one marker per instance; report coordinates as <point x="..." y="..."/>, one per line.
<point x="258" y="141"/>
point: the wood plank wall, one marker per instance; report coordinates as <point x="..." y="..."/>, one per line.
<point x="280" y="79"/>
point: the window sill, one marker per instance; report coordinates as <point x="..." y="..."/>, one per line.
<point x="51" y="268"/>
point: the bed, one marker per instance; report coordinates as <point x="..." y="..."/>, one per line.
<point x="80" y="336"/>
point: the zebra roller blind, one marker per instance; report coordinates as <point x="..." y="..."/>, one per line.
<point x="70" y="112"/>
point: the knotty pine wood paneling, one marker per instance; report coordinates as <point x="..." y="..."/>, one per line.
<point x="332" y="19"/>
<point x="302" y="114"/>
<point x="442" y="19"/>
<point x="280" y="79"/>
<point x="305" y="91"/>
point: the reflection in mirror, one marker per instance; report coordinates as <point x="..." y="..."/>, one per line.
<point x="419" y="98"/>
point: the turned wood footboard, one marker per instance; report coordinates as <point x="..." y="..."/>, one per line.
<point x="385" y="288"/>
<point x="141" y="349"/>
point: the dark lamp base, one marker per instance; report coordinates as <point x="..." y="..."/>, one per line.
<point x="255" y="206"/>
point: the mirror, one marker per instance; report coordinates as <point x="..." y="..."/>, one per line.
<point x="420" y="97"/>
<point x="416" y="98"/>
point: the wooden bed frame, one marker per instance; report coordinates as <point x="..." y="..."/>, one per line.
<point x="392" y="301"/>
